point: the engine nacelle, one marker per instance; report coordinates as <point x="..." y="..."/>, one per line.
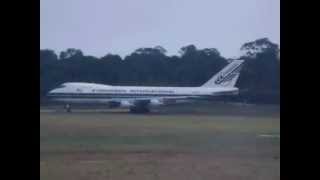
<point x="156" y="102"/>
<point x="126" y="104"/>
<point x="114" y="104"/>
<point x="117" y="104"/>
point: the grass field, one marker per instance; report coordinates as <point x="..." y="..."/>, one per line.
<point x="189" y="142"/>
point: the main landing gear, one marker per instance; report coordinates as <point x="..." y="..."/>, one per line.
<point x="139" y="109"/>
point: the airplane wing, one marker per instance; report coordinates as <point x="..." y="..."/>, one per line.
<point x="159" y="98"/>
<point x="155" y="101"/>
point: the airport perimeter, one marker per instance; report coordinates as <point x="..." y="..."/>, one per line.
<point x="219" y="141"/>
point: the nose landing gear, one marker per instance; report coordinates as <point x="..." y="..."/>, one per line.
<point x="67" y="108"/>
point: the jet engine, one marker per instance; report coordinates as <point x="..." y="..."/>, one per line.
<point x="126" y="104"/>
<point x="156" y="102"/>
<point x="116" y="104"/>
<point x="113" y="104"/>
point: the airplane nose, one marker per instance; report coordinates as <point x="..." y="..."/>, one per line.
<point x="51" y="92"/>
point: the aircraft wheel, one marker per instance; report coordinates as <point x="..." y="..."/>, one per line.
<point x="139" y="110"/>
<point x="68" y="108"/>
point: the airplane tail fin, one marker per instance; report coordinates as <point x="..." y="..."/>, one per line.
<point x="227" y="77"/>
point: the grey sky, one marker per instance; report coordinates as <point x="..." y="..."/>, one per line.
<point x="98" y="27"/>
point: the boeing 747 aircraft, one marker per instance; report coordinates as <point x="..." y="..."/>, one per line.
<point x="139" y="99"/>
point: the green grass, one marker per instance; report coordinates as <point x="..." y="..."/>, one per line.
<point x="103" y="132"/>
<point x="84" y="145"/>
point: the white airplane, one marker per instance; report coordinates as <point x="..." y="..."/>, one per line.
<point x="140" y="98"/>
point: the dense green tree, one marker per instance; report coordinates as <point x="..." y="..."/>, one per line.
<point x="48" y="60"/>
<point x="71" y="53"/>
<point x="260" y="76"/>
<point x="259" y="79"/>
<point x="263" y="45"/>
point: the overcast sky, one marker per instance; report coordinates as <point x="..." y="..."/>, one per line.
<point x="98" y="27"/>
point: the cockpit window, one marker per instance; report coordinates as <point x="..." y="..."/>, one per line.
<point x="61" y="86"/>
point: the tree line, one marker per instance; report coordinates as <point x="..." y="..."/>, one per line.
<point x="259" y="81"/>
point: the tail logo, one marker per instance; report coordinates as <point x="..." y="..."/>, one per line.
<point x="222" y="79"/>
<point x="228" y="75"/>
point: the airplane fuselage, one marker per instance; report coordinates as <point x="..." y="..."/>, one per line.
<point x="139" y="98"/>
<point x="98" y="93"/>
